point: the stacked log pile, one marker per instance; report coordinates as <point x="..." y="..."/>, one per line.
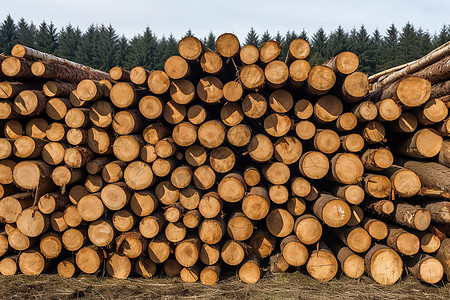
<point x="226" y="160"/>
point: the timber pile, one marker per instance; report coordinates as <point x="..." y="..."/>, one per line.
<point x="225" y="160"/>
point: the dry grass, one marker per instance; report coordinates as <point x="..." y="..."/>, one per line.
<point x="284" y="286"/>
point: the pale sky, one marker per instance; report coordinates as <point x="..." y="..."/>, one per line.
<point x="130" y="17"/>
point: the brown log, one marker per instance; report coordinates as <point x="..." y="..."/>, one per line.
<point x="278" y="264"/>
<point x="57" y="108"/>
<point x="77" y="117"/>
<point x="74" y="238"/>
<point x="377" y="159"/>
<point x="138" y="175"/>
<point x="187" y="252"/>
<point x="357" y="215"/>
<point x="353" y="194"/>
<point x="190" y="198"/>
<point x="250" y="270"/>
<point x="63" y="176"/>
<point x="344" y="63"/>
<point x="151" y="107"/>
<point x="211" y="231"/>
<point x="278" y="193"/>
<point x="313" y="164"/>
<point x="30" y="103"/>
<point x="124" y="95"/>
<point x="374" y="132"/>
<point x="145" y="267"/>
<point x="252" y="176"/>
<point x="128" y="147"/>
<point x="75" y="99"/>
<point x="352" y="142"/>
<point x="162" y="167"/>
<point x="192" y="219"/>
<point x="36" y="128"/>
<point x="296" y="206"/>
<point x="56" y="132"/>
<point x="5" y="147"/>
<point x="91" y="90"/>
<point x="151" y="225"/>
<point x="252" y="77"/>
<point x="28" y="147"/>
<point x="227" y="44"/>
<point x="331" y="210"/>
<point x="256" y="203"/>
<point x="113" y="171"/>
<point x="32" y="222"/>
<point x="365" y="111"/>
<point x="131" y="244"/>
<point x="51" y="202"/>
<point x="50" y="245"/>
<point x="57" y="221"/>
<point x="432" y="112"/>
<point x="326" y="141"/>
<point x="280" y="222"/>
<point x="115" y="196"/>
<point x="377" y="186"/>
<point x="429" y="242"/>
<point x="383" y="264"/>
<point x="158" y="82"/>
<point x="233" y="91"/>
<point x="388" y="110"/>
<point x="33" y="175"/>
<point x="176" y="67"/>
<point x="175" y="232"/>
<point x="211" y="63"/>
<point x="231" y="114"/>
<point x="425" y="268"/>
<point x="191" y="274"/>
<point x="210" y="254"/>
<point x="327" y="109"/>
<point x="181" y="176"/>
<point x="277" y="125"/>
<point x="93" y="183"/>
<point x="143" y="203"/>
<point x="277" y="74"/>
<point x="307" y="229"/>
<point x="71" y="216"/>
<point x="174" y="212"/>
<point x="13" y="129"/>
<point x="138" y="75"/>
<point x="298" y="73"/>
<point x="78" y="136"/>
<point x="382" y="207"/>
<point x="305" y="130"/>
<point x="405" y="183"/>
<point x="443" y="255"/>
<point x="322" y="264"/>
<point x="239" y="227"/>
<point x="431" y="174"/>
<point x="409" y="92"/>
<point x="167" y="193"/>
<point x="101" y="114"/>
<point x="424" y="143"/>
<point x="67" y="268"/>
<point x="182" y="91"/>
<point x="210" y="274"/>
<point x="354" y="87"/>
<point x="31" y="262"/>
<point x="303" y="109"/>
<point x="211" y="134"/>
<point x="293" y="251"/>
<point x="254" y="105"/>
<point x="7" y="111"/>
<point x="148" y="153"/>
<point x="172" y="267"/>
<point x="406" y="123"/>
<point x="58" y="89"/>
<point x="89" y="259"/>
<point x="298" y="49"/>
<point x="249" y="54"/>
<point x="376" y="228"/>
<point x="127" y="122"/>
<point x="355" y="237"/>
<point x="232" y="187"/>
<point x="439" y="211"/>
<point x="351" y="264"/>
<point x="402" y="241"/>
<point x="6" y="171"/>
<point x="12" y="206"/>
<point x="101" y="232"/>
<point x="346" y="168"/>
<point x="320" y="80"/>
<point x="443" y="157"/>
<point x="233" y="252"/>
<point x="17" y="67"/>
<point x="90" y="207"/>
<point x="185" y="134"/>
<point x="119" y="74"/>
<point x="269" y="51"/>
<point x="154" y="133"/>
<point x="19" y="241"/>
<point x="7" y="190"/>
<point x="9" y="90"/>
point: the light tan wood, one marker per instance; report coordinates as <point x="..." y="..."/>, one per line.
<point x="351" y="193"/>
<point x="277" y="125"/>
<point x="174" y="113"/>
<point x="425" y="268"/>
<point x="50" y="202"/>
<point x="138" y="175"/>
<point x="377" y="186"/>
<point x="344" y="63"/>
<point x="320" y="80"/>
<point x="249" y="54"/>
<point x="91" y="90"/>
<point x="32" y="222"/>
<point x="293" y="251"/>
<point x="402" y="241"/>
<point x="166" y="192"/>
<point x="256" y="203"/>
<point x="298" y="73"/>
<point x="278" y="264"/>
<point x="158" y="82"/>
<point x="210" y="274"/>
<point x="232" y="187"/>
<point x="56" y="132"/>
<point x="113" y="171"/>
<point x="405" y="183"/>
<point x="74" y="238"/>
<point x="332" y="211"/>
<point x="7" y="111"/>
<point x="346" y="168"/>
<point x="443" y="255"/>
<point x="252" y="77"/>
<point x="211" y="231"/>
<point x="406" y="123"/>
<point x="71" y="216"/>
<point x="327" y="109"/>
<point x="424" y="143"/>
<point x="93" y="183"/>
<point x="28" y="147"/>
<point x="190" y="275"/>
<point x="280" y="222"/>
<point x="204" y="177"/>
<point x="326" y="141"/>
<point x="176" y="67"/>
<point x="90" y="207"/>
<point x="33" y="175"/>
<point x="269" y="51"/>
<point x="57" y="108"/>
<point x="151" y="107"/>
<point x="143" y="203"/>
<point x="231" y="114"/>
<point x="355" y="237"/>
<point x="322" y="264"/>
<point x="409" y="92"/>
<point x="383" y="207"/>
<point x="150" y="226"/>
<point x="278" y="193"/>
<point x="388" y="110"/>
<point x="377" y="159"/>
<point x="13" y="129"/>
<point x="276" y="73"/>
<point x="182" y="91"/>
<point x="174" y="212"/>
<point x="154" y="133"/>
<point x="252" y="176"/>
<point x="148" y="153"/>
<point x="250" y="270"/>
<point x="145" y="267"/>
<point x="18" y="241"/>
<point x="67" y="268"/>
<point x="192" y="219"/>
<point x="101" y="232"/>
<point x="276" y="173"/>
<point x="376" y="228"/>
<point x="175" y="232"/>
<point x="262" y="243"/>
<point x="118" y="266"/>
<point x="99" y="140"/>
<point x="296" y="206"/>
<point x="227" y="44"/>
<point x="354" y="87"/>
<point x="89" y="259"/>
<point x="233" y="91"/>
<point x="10" y="89"/>
<point x="357" y="215"/>
<point x="138" y="75"/>
<point x="210" y="254"/>
<point x="313" y="164"/>
<point x="211" y="134"/>
<point x="222" y="159"/>
<point x="63" y="176"/>
<point x="365" y="111"/>
<point x="353" y="142"/>
<point x="187" y="252"/>
<point x="119" y="74"/>
<point x="305" y="130"/>
<point x="211" y="63"/>
<point x="260" y="148"/>
<point x="31" y="262"/>
<point x="351" y="264"/>
<point x="50" y="245"/>
<point x="232" y="252"/>
<point x="374" y="132"/>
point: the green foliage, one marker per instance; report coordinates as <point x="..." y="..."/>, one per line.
<point x="101" y="47"/>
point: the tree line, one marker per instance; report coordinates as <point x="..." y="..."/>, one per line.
<point x="101" y="47"/>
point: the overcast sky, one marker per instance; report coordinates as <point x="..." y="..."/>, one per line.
<point x="130" y="17"/>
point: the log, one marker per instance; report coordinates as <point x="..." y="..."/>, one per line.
<point x="326" y="141"/>
<point x="276" y="173"/>
<point x="151" y="107"/>
<point x="231" y="114"/>
<point x="175" y="232"/>
<point x="439" y="211"/>
<point x="227" y="44"/>
<point x="210" y="254"/>
<point x="124" y="220"/>
<point x="192" y="219"/>
<point x="211" y="63"/>
<point x="322" y="264"/>
<point x="305" y="130"/>
<point x="239" y="227"/>
<point x="176" y="67"/>
<point x="249" y="54"/>
<point x="252" y="77"/>
<point x="388" y="110"/>
<point x="222" y="159"/>
<point x="262" y="243"/>
<point x="174" y="212"/>
<point x="429" y="242"/>
<point x="374" y="132"/>
<point x="308" y="229"/>
<point x="352" y="142"/>
<point x="232" y="252"/>
<point x="9" y="90"/>
<point x="101" y="114"/>
<point x="432" y="112"/>
<point x="91" y="90"/>
<point x="101" y="232"/>
<point x="256" y="203"/>
<point x="13" y="129"/>
<point x="115" y="196"/>
<point x="406" y="123"/>
<point x="210" y="274"/>
<point x="298" y="49"/>
<point x="280" y="222"/>
<point x="89" y="259"/>
<point x="300" y="186"/>
<point x="278" y="264"/>
<point x="36" y="128"/>
<point x="211" y="134"/>
<point x="113" y="171"/>
<point x="138" y="175"/>
<point x="357" y="215"/>
<point x="63" y="176"/>
<point x="252" y="176"/>
<point x="172" y="268"/>
<point x="293" y="251"/>
<point x="51" y="202"/>
<point x="158" y="82"/>
<point x="28" y="147"/>
<point x="67" y="268"/>
<point x="353" y="194"/>
<point x="5" y="148"/>
<point x="346" y="168"/>
<point x="383" y="264"/>
<point x="30" y="103"/>
<point x="150" y="226"/>
<point x="57" y="222"/>
<point x="71" y="216"/>
<point x="232" y="90"/>
<point x="78" y="136"/>
<point x="128" y="147"/>
<point x="320" y="80"/>
<point x="211" y="231"/>
<point x="303" y="109"/>
<point x="124" y="94"/>
<point x="351" y="264"/>
<point x="331" y="210"/>
<point x="232" y="187"/>
<point x="277" y="74"/>
<point x="143" y="203"/>
<point x="376" y="228"/>
<point x="314" y="165"/>
<point x="377" y="186"/>
<point x="382" y="207"/>
<point x="154" y="133"/>
<point x="424" y="143"/>
<point x="56" y="132"/>
<point x="90" y="207"/>
<point x="148" y="153"/>
<point x="402" y="241"/>
<point x="344" y="63"/>
<point x="19" y="241"/>
<point x="377" y="159"/>
<point x="431" y="174"/>
<point x="440" y="89"/>
<point x="31" y="262"/>
<point x="182" y="91"/>
<point x="365" y="111"/>
<point x="327" y="109"/>
<point x="57" y="108"/>
<point x="409" y="92"/>
<point x="355" y="237"/>
<point x="296" y="206"/>
<point x="145" y="267"/>
<point x="74" y="238"/>
<point x="298" y="73"/>
<point x="138" y="75"/>
<point x="443" y="157"/>
<point x="33" y="175"/>
<point x="17" y="67"/>
<point x="443" y="255"/>
<point x="167" y="193"/>
<point x="278" y="193"/>
<point x="425" y="268"/>
<point x="119" y="74"/>
<point x="191" y="274"/>
<point x="99" y="140"/>
<point x="6" y="171"/>
<point x="405" y="183"/>
<point x="269" y="51"/>
<point x="187" y="252"/>
<point x="250" y="270"/>
<point x="354" y="87"/>
<point x="118" y="266"/>
<point x="93" y="183"/>
<point x="185" y="134"/>
<point x="50" y="245"/>
<point x="7" y="111"/>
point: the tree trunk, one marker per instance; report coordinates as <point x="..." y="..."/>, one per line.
<point x="346" y="168"/>
<point x="439" y="211"/>
<point x="158" y="82"/>
<point x="322" y="264"/>
<point x="383" y="264"/>
<point x="227" y="45"/>
<point x="150" y="226"/>
<point x="233" y="91"/>
<point x="351" y="193"/>
<point x="211" y="231"/>
<point x="222" y="159"/>
<point x="89" y="259"/>
<point x="210" y="274"/>
<point x="145" y="267"/>
<point x="139" y="75"/>
<point x="210" y="254"/>
<point x="277" y="74"/>
<point x="293" y="251"/>
<point x="71" y="216"/>
<point x="19" y="241"/>
<point x="331" y="210"/>
<point x="51" y="202"/>
<point x="425" y="268"/>
<point x="249" y="54"/>
<point x="374" y="132"/>
<point x="382" y="207"/>
<point x="352" y="143"/>
<point x="17" y="67"/>
<point x="51" y="245"/>
<point x="402" y="241"/>
<point x="67" y="268"/>
<point x="211" y="63"/>
<point x="355" y="237"/>
<point x="190" y="275"/>
<point x="314" y="165"/>
<point x="443" y="255"/>
<point x="192" y="219"/>
<point x="278" y="264"/>
<point x="351" y="264"/>
<point x="388" y="110"/>
<point x="327" y="109"/>
<point x="233" y="252"/>
<point x="187" y="252"/>
<point x="10" y="90"/>
<point x="354" y="87"/>
<point x="377" y="186"/>
<point x="326" y="141"/>
<point x="232" y="187"/>
<point x="365" y="111"/>
<point x="138" y="175"/>
<point x="320" y="80"/>
<point x="101" y="232"/>
<point x="431" y="174"/>
<point x="376" y="228"/>
<point x="252" y="77"/>
<point x="250" y="270"/>
<point x="31" y="262"/>
<point x="74" y="238"/>
<point x="256" y="203"/>
<point x="377" y="159"/>
<point x="119" y="74"/>
<point x="344" y="63"/>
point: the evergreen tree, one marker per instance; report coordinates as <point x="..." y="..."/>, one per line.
<point x="425" y="42"/>
<point x="360" y="45"/>
<point x="172" y="46"/>
<point x="122" y="52"/>
<point x="47" y="38"/>
<point x="88" y="46"/>
<point x="8" y="35"/>
<point x="143" y="50"/>
<point x="337" y="42"/>
<point x="252" y="38"/>
<point x="163" y="53"/>
<point x="189" y="33"/>
<point x="26" y="34"/>
<point x="284" y="46"/>
<point x="442" y="37"/>
<point x="69" y="40"/>
<point x="107" y="47"/>
<point x="318" y="48"/>
<point x="377" y="49"/>
<point x="408" y="44"/>
<point x="264" y="37"/>
<point x="210" y="41"/>
<point x="391" y="48"/>
<point x="303" y="35"/>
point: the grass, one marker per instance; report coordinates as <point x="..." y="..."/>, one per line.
<point x="283" y="286"/>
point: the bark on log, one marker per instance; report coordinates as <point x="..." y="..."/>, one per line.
<point x="383" y="264"/>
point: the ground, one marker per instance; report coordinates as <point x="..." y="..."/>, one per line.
<point x="283" y="286"/>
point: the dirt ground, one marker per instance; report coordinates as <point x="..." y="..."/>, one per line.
<point x="284" y="286"/>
